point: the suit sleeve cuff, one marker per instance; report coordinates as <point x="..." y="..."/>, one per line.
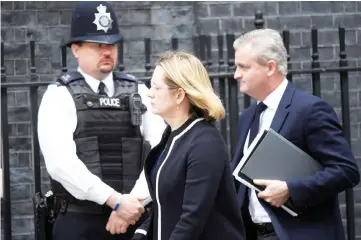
<point x="296" y="194"/>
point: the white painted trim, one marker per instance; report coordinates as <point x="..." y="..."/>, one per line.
<point x="160" y="169"/>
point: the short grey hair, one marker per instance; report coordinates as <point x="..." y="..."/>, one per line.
<point x="267" y="44"/>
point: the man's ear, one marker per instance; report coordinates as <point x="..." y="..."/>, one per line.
<point x="272" y="68"/>
<point x="75" y="49"/>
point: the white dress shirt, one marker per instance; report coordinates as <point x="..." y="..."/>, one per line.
<point x="57" y="121"/>
<point x="257" y="212"/>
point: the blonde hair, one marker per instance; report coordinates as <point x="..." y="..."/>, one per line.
<point x="267" y="44"/>
<point x="185" y="71"/>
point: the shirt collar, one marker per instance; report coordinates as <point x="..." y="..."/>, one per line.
<point x="274" y="98"/>
<point x="94" y="83"/>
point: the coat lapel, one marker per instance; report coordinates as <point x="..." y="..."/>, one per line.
<point x="282" y="110"/>
<point x="279" y="118"/>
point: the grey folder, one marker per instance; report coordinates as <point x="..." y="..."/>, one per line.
<point x="273" y="157"/>
<point x="276" y="158"/>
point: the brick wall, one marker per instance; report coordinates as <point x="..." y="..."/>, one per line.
<point x="48" y="24"/>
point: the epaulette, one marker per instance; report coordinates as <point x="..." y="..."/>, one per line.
<point x="124" y="76"/>
<point x="68" y="77"/>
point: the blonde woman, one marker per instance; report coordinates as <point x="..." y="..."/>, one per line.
<point x="188" y="172"/>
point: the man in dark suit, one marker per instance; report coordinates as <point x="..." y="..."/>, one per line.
<point x="308" y="122"/>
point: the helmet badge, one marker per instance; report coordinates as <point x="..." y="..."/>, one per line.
<point x="103" y="19"/>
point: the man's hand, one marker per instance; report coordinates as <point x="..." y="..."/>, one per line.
<point x="276" y="192"/>
<point x="130" y="208"/>
<point x="116" y="225"/>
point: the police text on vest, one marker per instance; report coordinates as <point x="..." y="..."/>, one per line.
<point x="109" y="102"/>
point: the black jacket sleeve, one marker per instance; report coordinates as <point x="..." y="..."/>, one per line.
<point x="327" y="144"/>
<point x="142" y="232"/>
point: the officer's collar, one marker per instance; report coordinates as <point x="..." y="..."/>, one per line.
<point x="94" y="83"/>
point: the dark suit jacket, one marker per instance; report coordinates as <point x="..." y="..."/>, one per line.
<point x="193" y="189"/>
<point x="311" y="124"/>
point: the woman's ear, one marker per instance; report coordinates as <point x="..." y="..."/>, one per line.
<point x="180" y="95"/>
<point x="74" y="49"/>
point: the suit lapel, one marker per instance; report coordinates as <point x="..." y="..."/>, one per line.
<point x="279" y="118"/>
<point x="282" y="110"/>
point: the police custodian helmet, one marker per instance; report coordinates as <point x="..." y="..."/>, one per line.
<point x="94" y="21"/>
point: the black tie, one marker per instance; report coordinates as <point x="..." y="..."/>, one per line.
<point x="255" y="122"/>
<point x="101" y="89"/>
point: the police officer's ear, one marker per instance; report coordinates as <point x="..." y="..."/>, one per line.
<point x="74" y="48"/>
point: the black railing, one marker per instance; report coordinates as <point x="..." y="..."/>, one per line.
<point x="220" y="72"/>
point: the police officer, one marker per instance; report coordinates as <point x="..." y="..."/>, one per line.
<point x="91" y="134"/>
